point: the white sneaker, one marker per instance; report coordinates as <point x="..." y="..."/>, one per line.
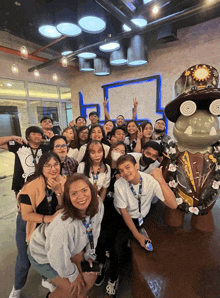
<point x="15" y="293"/>
<point x="46" y="284"/>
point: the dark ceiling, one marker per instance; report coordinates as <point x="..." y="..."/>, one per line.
<point x="23" y="17"/>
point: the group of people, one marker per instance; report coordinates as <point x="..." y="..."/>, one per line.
<point x="83" y="193"/>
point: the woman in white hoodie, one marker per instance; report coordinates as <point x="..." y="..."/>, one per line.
<point x="57" y="250"/>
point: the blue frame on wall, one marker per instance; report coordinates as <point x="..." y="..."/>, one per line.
<point x="106" y="87"/>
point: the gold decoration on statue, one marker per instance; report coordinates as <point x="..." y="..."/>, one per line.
<point x="201" y="73"/>
<point x="187" y="73"/>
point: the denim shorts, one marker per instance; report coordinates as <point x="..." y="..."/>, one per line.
<point x="44" y="269"/>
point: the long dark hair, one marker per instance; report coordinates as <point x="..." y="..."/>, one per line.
<point x="74" y="142"/>
<point x="69" y="209"/>
<point x="103" y="140"/>
<point x="109" y="134"/>
<point x="87" y="160"/>
<point x="142" y="125"/>
<point x="135" y="122"/>
<point x="44" y="159"/>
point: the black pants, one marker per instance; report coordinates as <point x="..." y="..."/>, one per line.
<point x="114" y="237"/>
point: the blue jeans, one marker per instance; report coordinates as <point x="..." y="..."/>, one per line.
<point x="22" y="263"/>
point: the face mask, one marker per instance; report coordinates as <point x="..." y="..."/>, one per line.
<point x="147" y="160"/>
<point x="159" y="130"/>
<point x="115" y="155"/>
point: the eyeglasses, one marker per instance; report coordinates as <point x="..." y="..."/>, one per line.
<point x="118" y="150"/>
<point x="61" y="146"/>
<point x="84" y="132"/>
<point x="49" y="167"/>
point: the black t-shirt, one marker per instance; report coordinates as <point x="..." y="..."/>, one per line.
<point x="25" y="160"/>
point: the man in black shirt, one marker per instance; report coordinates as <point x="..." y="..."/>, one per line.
<point x="27" y="155"/>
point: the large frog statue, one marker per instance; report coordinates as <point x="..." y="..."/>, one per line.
<point x="192" y="165"/>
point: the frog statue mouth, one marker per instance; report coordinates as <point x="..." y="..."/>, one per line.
<point x="198" y="130"/>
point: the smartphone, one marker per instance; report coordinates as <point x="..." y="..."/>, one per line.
<point x="86" y="267"/>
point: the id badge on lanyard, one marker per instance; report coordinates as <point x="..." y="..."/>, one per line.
<point x="138" y="197"/>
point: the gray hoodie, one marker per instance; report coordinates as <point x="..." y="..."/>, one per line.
<point x="57" y="242"/>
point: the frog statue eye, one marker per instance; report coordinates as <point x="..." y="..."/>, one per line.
<point x="214" y="107"/>
<point x="188" y="108"/>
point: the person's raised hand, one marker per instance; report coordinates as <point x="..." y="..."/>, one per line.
<point x="135" y="102"/>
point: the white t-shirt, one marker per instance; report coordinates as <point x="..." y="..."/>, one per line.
<point x="82" y="151"/>
<point x="151" y="167"/>
<point x="73" y="153"/>
<point x="103" y="178"/>
<point x="124" y="198"/>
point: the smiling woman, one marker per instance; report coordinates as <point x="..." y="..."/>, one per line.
<point x="77" y="227"/>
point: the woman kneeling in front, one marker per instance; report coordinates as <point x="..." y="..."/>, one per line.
<point x="57" y="250"/>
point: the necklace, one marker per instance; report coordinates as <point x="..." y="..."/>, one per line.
<point x="209" y="196"/>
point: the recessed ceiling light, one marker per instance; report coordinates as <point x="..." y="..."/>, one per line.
<point x="36" y="73"/>
<point x="140" y="22"/>
<point x="91" y="24"/>
<point x="17" y="3"/>
<point x="137" y="63"/>
<point x="109" y="47"/>
<point x="64" y="62"/>
<point x="69" y="29"/>
<point x="87" y="55"/>
<point x="66" y="53"/>
<point x="155" y="9"/>
<point x="49" y="31"/>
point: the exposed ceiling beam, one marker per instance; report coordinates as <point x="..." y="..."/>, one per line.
<point x="33" y="57"/>
<point x="49" y="45"/>
<point x="204" y="8"/>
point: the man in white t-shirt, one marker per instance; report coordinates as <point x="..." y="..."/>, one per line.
<point x="133" y="194"/>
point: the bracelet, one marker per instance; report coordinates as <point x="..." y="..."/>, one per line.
<point x="43" y="219"/>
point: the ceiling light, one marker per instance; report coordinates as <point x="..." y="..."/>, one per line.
<point x="140" y="22"/>
<point x="55" y="77"/>
<point x="136" y="52"/>
<point x="155" y="9"/>
<point x="92" y="24"/>
<point x="87" y="55"/>
<point x="69" y="29"/>
<point x="49" y="31"/>
<point x="110" y="47"/>
<point x="24" y="52"/>
<point x="9" y="84"/>
<point x="64" y="62"/>
<point x="101" y="67"/>
<point x="36" y="73"/>
<point x="14" y="69"/>
<point x="86" y="65"/>
<point x="65" y="53"/>
<point x="118" y="58"/>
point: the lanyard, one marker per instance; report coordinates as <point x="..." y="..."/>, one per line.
<point x="88" y="226"/>
<point x="49" y="194"/>
<point x="138" y="197"/>
<point x="34" y="156"/>
<point x="95" y="176"/>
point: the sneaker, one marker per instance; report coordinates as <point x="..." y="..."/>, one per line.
<point x="15" y="293"/>
<point x="101" y="276"/>
<point x="112" y="288"/>
<point x="46" y="284"/>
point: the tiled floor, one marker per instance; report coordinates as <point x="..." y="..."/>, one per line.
<point x="33" y="288"/>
